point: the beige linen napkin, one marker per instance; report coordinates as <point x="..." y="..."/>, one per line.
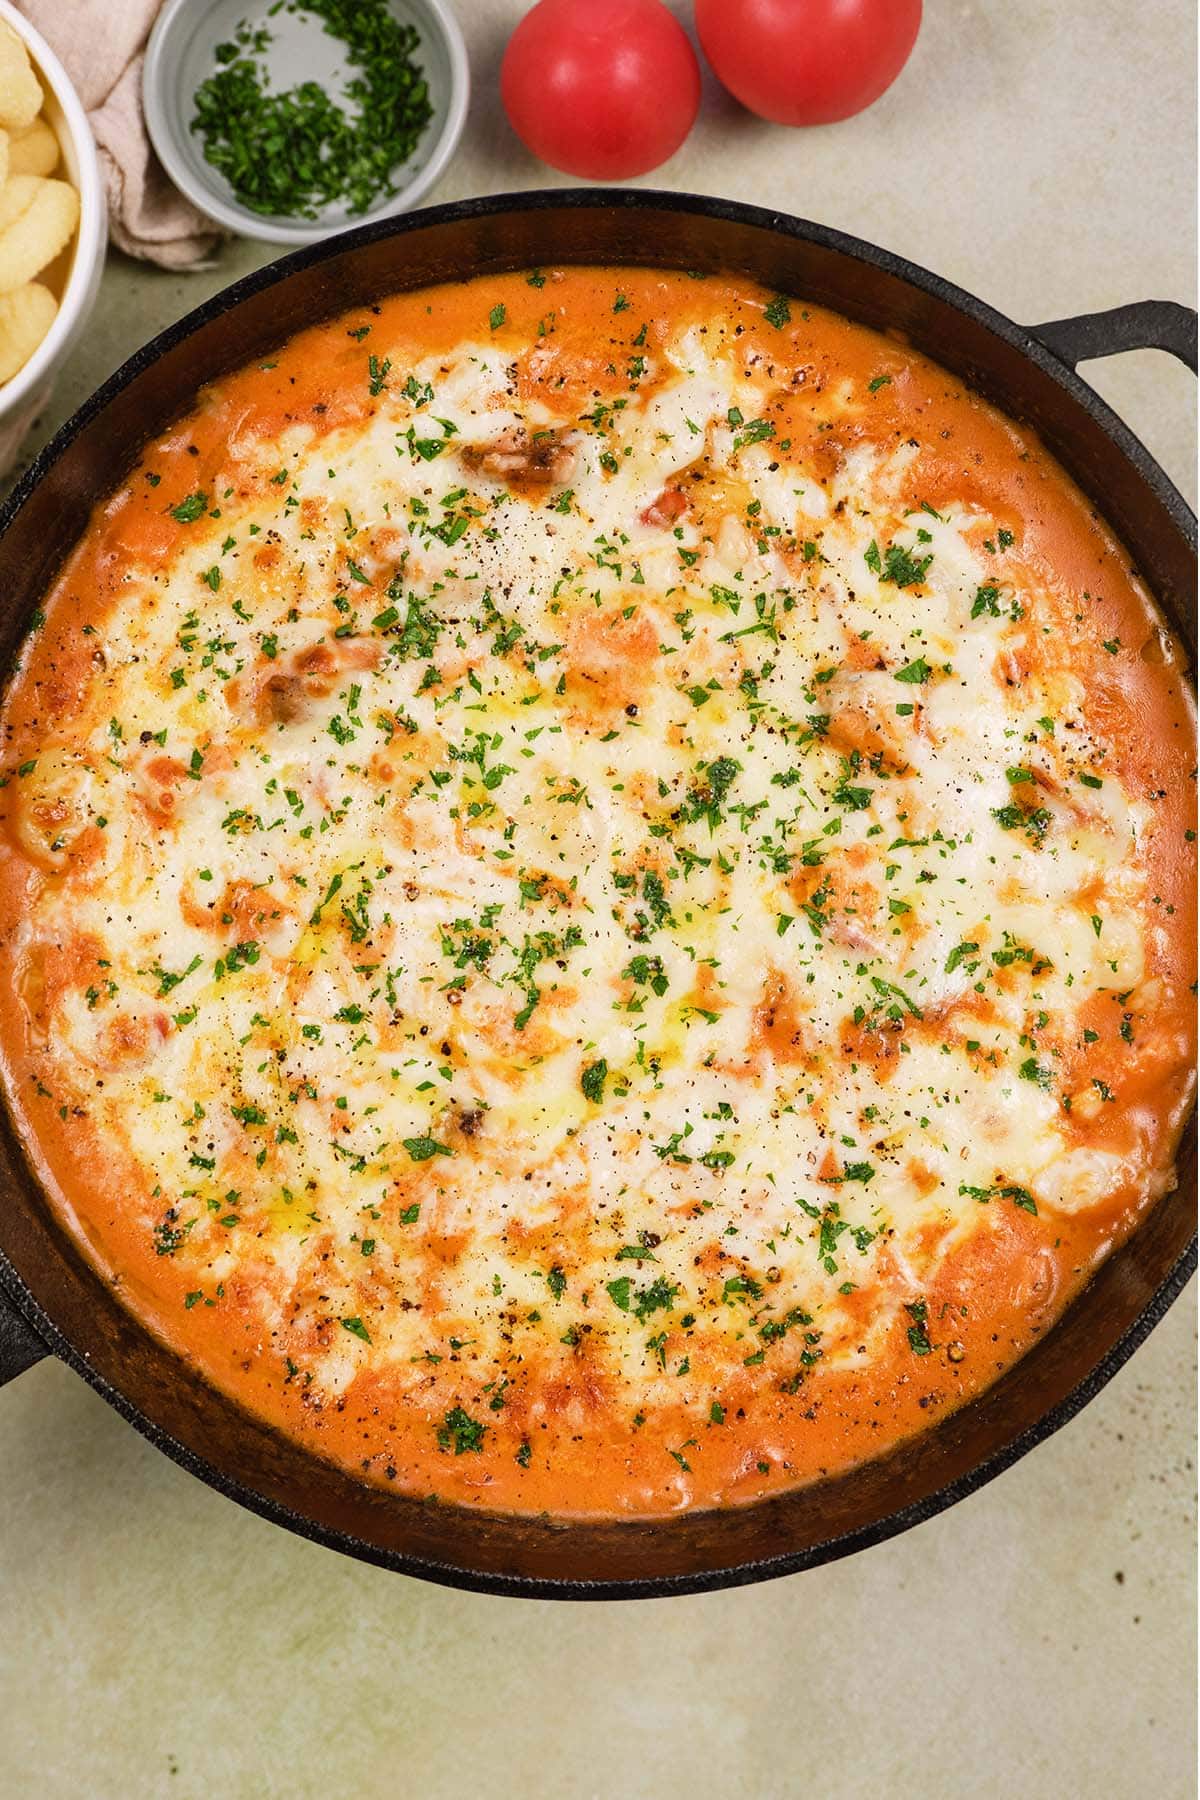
<point x="100" y="44"/>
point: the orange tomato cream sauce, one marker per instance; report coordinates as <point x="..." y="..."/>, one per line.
<point x="596" y="891"/>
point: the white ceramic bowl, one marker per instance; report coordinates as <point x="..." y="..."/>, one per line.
<point x="78" y="270"/>
<point x="180" y="55"/>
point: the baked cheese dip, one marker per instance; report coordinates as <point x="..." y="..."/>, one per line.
<point x="595" y="891"/>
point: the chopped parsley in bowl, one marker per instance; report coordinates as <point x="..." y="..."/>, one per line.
<point x="295" y="119"/>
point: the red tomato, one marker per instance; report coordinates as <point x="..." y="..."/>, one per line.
<point x="807" y="62"/>
<point x="601" y="88"/>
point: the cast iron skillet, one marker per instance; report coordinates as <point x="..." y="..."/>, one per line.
<point x="51" y="1300"/>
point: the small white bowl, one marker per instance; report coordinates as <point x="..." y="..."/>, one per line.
<point x="79" y="268"/>
<point x="180" y="55"/>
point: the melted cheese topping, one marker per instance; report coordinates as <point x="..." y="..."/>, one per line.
<point x="587" y="895"/>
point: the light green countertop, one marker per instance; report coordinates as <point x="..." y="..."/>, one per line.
<point x="1037" y="1640"/>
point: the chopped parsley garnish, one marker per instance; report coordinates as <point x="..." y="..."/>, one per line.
<point x="1034" y="821"/>
<point x="592" y="1081"/>
<point x="644" y="1301"/>
<point x="191" y="509"/>
<point x="897" y="564"/>
<point x="1004" y="1190"/>
<point x="987" y="600"/>
<point x="918" y="1334"/>
<point x="423" y="1149"/>
<point x="460" y="1432"/>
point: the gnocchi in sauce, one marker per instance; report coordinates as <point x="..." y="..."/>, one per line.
<point x="595" y="891"/>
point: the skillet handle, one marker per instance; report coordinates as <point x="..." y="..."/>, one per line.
<point x="20" y="1345"/>
<point x="1142" y="325"/>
